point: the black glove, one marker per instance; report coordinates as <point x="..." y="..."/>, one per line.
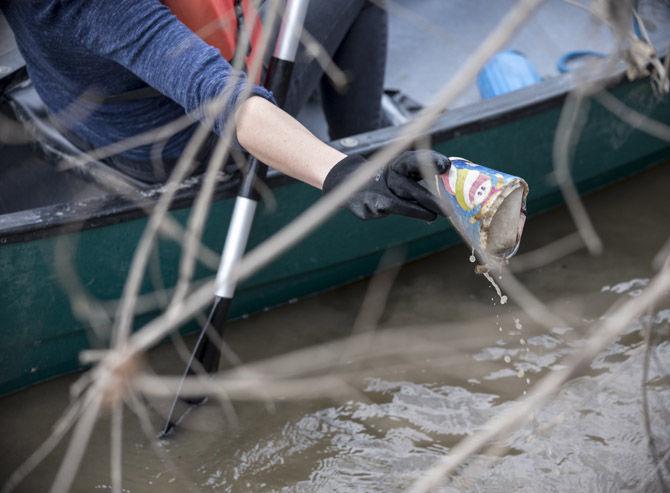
<point x="395" y="189"/>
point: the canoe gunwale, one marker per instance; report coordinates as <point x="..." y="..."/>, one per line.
<point x="62" y="218"/>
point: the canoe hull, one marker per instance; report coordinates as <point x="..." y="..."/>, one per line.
<point x="43" y="278"/>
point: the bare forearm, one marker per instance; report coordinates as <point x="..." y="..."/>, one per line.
<point x="277" y="139"/>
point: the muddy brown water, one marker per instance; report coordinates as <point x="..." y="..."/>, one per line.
<point x="403" y="417"/>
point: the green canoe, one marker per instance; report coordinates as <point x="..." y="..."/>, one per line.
<point x="61" y="236"/>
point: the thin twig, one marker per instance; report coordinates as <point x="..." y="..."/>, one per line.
<point x="78" y="442"/>
<point x="60" y="429"/>
<point x="116" y="447"/>
<point x="571" y="122"/>
<point x="633" y="118"/>
<point x="140" y="411"/>
<point x="131" y="289"/>
<point x="604" y="333"/>
<point x="651" y="442"/>
<point x="547" y="254"/>
<point x="328" y="205"/>
<point x="310" y="219"/>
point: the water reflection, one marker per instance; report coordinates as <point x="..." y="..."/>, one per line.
<point x="589" y="438"/>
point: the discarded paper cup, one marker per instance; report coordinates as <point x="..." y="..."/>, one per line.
<point x="488" y="206"/>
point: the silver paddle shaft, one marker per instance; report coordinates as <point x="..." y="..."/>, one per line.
<point x="288" y="39"/>
<point x="236" y="242"/>
<point x="286" y="49"/>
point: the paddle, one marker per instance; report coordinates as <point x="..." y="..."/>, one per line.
<point x="206" y="351"/>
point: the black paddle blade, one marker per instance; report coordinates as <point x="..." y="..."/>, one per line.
<point x="167" y="430"/>
<point x="176" y="417"/>
<point x="208" y="352"/>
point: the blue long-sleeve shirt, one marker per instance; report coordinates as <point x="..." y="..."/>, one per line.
<point x="110" y="47"/>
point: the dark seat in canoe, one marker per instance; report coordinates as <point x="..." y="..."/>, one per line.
<point x="53" y="168"/>
<point x="33" y="114"/>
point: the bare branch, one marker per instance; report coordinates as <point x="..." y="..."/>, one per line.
<point x="604" y="333"/>
<point x="572" y="120"/>
<point x="78" y="442"/>
<point x="116" y="447"/>
<point x="633" y="118"/>
<point x="60" y="429"/>
<point x="547" y="254"/>
<point x="327" y="206"/>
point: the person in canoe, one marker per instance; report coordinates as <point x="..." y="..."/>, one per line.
<point x="116" y="47"/>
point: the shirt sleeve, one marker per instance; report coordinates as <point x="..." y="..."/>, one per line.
<point x="144" y="37"/>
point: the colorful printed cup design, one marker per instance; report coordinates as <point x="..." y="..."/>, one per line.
<point x="488" y="206"/>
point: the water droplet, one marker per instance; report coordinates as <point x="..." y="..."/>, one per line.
<point x="520" y="373"/>
<point x="528" y="380"/>
<point x="522" y="341"/>
<point x="503" y="298"/>
<point x="507" y="358"/>
<point x="472" y="259"/>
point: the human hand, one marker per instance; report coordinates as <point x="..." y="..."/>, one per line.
<point x="395" y="189"/>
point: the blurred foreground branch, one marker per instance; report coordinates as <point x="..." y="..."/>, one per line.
<point x="604" y="333"/>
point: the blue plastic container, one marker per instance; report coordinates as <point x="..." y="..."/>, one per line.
<point x="507" y="71"/>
